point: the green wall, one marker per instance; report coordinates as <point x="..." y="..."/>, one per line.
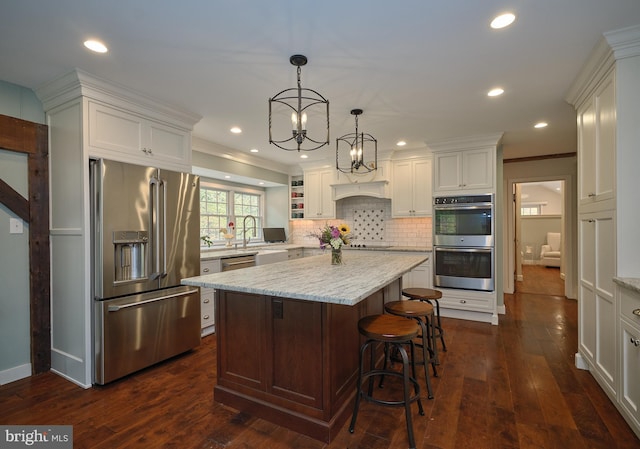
<point x="15" y="353"/>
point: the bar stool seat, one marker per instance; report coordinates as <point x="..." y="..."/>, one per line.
<point x="423" y="314"/>
<point x="428" y="295"/>
<point x="396" y="332"/>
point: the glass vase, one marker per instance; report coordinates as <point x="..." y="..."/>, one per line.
<point x="336" y="256"/>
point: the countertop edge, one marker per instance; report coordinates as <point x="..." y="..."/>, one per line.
<point x="344" y="291"/>
<point x="628" y="283"/>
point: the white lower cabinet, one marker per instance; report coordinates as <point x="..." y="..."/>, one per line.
<point x="207" y="298"/>
<point x="420" y="277"/>
<point x="597" y="304"/>
<point x="629" y="334"/>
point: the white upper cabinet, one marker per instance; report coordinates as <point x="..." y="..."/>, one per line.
<point x="597" y="145"/>
<point x="411" y="188"/>
<point x="318" y="195"/>
<point x="132" y="136"/>
<point x="468" y="170"/>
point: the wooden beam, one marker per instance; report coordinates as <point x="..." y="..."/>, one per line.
<point x="14" y="201"/>
<point x="17" y="135"/>
<point x="39" y="250"/>
<point x="539" y="158"/>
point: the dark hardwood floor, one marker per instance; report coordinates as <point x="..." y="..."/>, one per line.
<point x="542" y="280"/>
<point x="508" y="386"/>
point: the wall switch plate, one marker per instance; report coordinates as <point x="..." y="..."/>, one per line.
<point x="15" y="226"/>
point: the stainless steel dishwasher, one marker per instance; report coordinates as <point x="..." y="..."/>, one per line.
<point x="229" y="263"/>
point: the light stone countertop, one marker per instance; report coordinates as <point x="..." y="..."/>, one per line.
<point x="219" y="252"/>
<point x="629" y="283"/>
<point x="314" y="278"/>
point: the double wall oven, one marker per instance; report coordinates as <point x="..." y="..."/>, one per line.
<point x="463" y="242"/>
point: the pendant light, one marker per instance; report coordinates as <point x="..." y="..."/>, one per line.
<point x="354" y="144"/>
<point x="308" y="111"/>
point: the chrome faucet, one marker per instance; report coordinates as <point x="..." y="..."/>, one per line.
<point x="244" y="227"/>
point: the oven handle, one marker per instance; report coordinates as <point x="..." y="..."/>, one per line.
<point x="463" y="206"/>
<point x="465" y="249"/>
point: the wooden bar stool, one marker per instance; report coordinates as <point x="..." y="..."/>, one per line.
<point x="423" y="314"/>
<point x="428" y="295"/>
<point x="395" y="332"/>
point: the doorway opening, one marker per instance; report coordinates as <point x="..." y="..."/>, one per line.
<point x="539" y="224"/>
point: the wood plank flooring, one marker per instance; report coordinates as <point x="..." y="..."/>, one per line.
<point x="508" y="386"/>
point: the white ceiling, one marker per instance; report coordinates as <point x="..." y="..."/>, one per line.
<point x="420" y="69"/>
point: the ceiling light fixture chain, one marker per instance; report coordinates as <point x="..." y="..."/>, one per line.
<point x="356" y="143"/>
<point x="302" y="104"/>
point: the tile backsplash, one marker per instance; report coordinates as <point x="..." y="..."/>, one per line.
<point x="370" y="222"/>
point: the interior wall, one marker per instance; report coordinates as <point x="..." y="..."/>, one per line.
<point x="15" y="343"/>
<point x="565" y="169"/>
<point x="534" y="234"/>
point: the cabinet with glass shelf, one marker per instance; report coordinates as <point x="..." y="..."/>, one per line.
<point x="297" y="197"/>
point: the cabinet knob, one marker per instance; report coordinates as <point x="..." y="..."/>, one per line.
<point x="206" y="317"/>
<point x="635" y="341"/>
<point x="463" y="301"/>
<point x="205" y="270"/>
<point x="591" y="195"/>
<point x="206" y="301"/>
<point x="636" y="312"/>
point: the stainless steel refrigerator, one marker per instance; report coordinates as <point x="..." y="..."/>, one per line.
<point x="145" y="239"/>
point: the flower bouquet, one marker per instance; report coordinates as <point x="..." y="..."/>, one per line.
<point x="334" y="237"/>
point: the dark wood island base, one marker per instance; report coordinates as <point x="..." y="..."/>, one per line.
<point x="289" y="361"/>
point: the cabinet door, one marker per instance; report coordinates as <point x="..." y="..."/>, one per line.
<point x="402" y="189"/>
<point x="447" y="171"/>
<point x="606" y="140"/>
<point x="597" y="301"/>
<point x="477" y="169"/>
<point x="419" y="277"/>
<point x="587" y="152"/>
<point x="411" y="188"/>
<point x="318" y="201"/>
<point x="630" y="366"/>
<point x="114" y="130"/>
<point x="422" y="190"/>
<point x="166" y="142"/>
<point x="597" y="145"/>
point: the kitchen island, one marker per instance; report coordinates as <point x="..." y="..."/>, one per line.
<point x="287" y="335"/>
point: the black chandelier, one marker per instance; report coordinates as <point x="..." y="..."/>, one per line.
<point x="303" y="104"/>
<point x="356" y="143"/>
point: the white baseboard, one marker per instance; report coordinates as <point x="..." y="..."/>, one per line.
<point x="484" y="317"/>
<point x="580" y="361"/>
<point x="15" y="373"/>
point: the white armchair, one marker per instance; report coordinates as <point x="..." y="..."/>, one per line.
<point x="551" y="252"/>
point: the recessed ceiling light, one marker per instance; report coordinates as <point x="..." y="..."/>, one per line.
<point x="495" y="92"/>
<point x="96" y="46"/>
<point x="503" y="20"/>
<point x="303" y="156"/>
<point x="235" y="130"/>
<point x="261" y="183"/>
<point x="227" y="177"/>
<point x="401" y="143"/>
<point x="254" y="150"/>
<point x="541" y="125"/>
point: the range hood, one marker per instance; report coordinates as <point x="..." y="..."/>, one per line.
<point x="376" y="189"/>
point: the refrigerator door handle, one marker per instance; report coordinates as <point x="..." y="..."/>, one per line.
<point x="116" y="308"/>
<point x="154" y="191"/>
<point x="163" y="185"/>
